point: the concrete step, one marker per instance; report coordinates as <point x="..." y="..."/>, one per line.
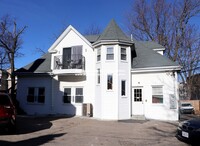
<point x="138" y="117"/>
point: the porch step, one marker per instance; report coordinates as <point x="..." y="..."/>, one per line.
<point x="138" y="117"/>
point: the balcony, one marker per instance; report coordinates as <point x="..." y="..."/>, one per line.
<point x="70" y="64"/>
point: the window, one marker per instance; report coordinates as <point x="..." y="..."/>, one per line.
<point x="67" y="95"/>
<point x="109" y="82"/>
<point x="99" y="54"/>
<point x="157" y="94"/>
<point x="79" y="95"/>
<point x="98" y="76"/>
<point x="110" y="54"/>
<point x="137" y="95"/>
<point x="123" y="53"/>
<point x="41" y="95"/>
<point x="123" y="88"/>
<point x="36" y="95"/>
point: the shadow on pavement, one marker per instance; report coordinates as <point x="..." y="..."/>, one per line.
<point x="29" y="124"/>
<point x="33" y="141"/>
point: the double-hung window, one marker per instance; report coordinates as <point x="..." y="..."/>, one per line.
<point x="157" y="94"/>
<point x="36" y="95"/>
<point x="123" y="53"/>
<point x="98" y="54"/>
<point x="110" y="53"/>
<point x="79" y="95"/>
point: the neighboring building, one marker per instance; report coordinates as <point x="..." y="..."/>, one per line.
<point x="118" y="77"/>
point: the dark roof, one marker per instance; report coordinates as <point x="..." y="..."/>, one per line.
<point x="113" y="32"/>
<point x="147" y="57"/>
<point x="151" y="44"/>
<point x="92" y="38"/>
<point x="41" y="65"/>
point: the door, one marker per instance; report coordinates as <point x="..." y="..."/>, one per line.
<point x="137" y="101"/>
<point x="73" y="95"/>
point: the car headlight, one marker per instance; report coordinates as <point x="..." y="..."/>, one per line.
<point x="180" y="124"/>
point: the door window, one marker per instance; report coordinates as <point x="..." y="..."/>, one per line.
<point x="137" y="95"/>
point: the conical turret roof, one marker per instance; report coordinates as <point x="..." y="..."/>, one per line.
<point x="113" y="32"/>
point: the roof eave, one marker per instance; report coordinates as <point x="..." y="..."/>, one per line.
<point x="156" y="69"/>
<point x="108" y="42"/>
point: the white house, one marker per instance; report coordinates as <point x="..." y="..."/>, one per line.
<point x="109" y="74"/>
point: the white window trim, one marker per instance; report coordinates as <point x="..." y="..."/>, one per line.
<point x="125" y="89"/>
<point x="98" y="53"/>
<point x="124" y="54"/>
<point x="110" y="54"/>
<point x="109" y="90"/>
<point x="152" y="95"/>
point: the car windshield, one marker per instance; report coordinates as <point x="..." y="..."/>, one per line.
<point x="186" y="104"/>
<point x="4" y="100"/>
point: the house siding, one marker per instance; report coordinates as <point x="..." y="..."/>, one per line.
<point x="22" y="91"/>
<point x="169" y="83"/>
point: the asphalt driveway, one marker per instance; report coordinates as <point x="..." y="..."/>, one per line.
<point x="78" y="131"/>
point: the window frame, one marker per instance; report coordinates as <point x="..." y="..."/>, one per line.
<point x="157" y="95"/>
<point x="98" y="54"/>
<point x="36" y="97"/>
<point x="109" y="87"/>
<point x="78" y="95"/>
<point x="136" y="93"/>
<point x="66" y="97"/>
<point x="124" y="88"/>
<point x="98" y="76"/>
<point x="110" y="53"/>
<point x="123" y="54"/>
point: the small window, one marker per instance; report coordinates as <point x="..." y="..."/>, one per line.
<point x="157" y="94"/>
<point x="109" y="82"/>
<point x="110" y="54"/>
<point x="99" y="54"/>
<point x="67" y="95"/>
<point x="36" y="95"/>
<point x="98" y="76"/>
<point x="79" y="95"/>
<point x="41" y="95"/>
<point x="137" y="95"/>
<point x="123" y="53"/>
<point x="123" y="88"/>
<point x="31" y="94"/>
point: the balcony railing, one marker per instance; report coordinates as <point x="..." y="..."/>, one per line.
<point x="76" y="61"/>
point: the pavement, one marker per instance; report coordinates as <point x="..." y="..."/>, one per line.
<point x="80" y="131"/>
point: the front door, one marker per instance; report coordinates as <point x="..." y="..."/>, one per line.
<point x="137" y="101"/>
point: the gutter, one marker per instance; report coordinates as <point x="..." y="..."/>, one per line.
<point x="156" y="69"/>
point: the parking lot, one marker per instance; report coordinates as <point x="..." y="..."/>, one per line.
<point x="79" y="131"/>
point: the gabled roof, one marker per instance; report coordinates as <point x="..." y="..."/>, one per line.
<point x="148" y="58"/>
<point x="41" y="65"/>
<point x="62" y="36"/>
<point x="113" y="33"/>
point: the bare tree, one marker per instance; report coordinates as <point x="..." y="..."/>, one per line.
<point x="169" y="23"/>
<point x="11" y="41"/>
<point x="3" y="59"/>
<point x="93" y="30"/>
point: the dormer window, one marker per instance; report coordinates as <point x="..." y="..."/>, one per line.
<point x="110" y="53"/>
<point x="123" y="53"/>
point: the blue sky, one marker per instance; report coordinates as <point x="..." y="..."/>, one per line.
<point x="45" y="18"/>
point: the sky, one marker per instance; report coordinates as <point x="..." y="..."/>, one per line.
<point x="46" y="19"/>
